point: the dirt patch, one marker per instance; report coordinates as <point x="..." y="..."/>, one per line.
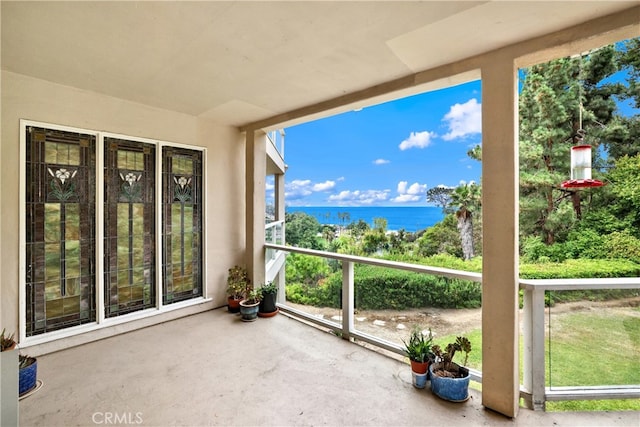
<point x="395" y="326"/>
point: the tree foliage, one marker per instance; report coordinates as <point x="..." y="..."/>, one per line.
<point x="302" y="230"/>
<point x="567" y="102"/>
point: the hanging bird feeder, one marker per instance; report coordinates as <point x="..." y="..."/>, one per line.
<point x="581" y="169"/>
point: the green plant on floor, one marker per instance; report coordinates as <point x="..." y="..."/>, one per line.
<point x="7" y="342"/>
<point x="25" y="361"/>
<point x="238" y="282"/>
<point x="450" y="369"/>
<point x="254" y="296"/>
<point x="418" y="348"/>
<point x="268" y="288"/>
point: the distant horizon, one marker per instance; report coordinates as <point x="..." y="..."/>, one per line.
<point x="409" y="218"/>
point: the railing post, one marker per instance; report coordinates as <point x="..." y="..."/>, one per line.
<point x="347" y="299"/>
<point x="533" y="360"/>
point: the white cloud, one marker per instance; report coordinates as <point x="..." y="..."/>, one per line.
<point x="380" y="161"/>
<point x="410" y="193"/>
<point x="297" y="189"/>
<point x="324" y="186"/>
<point x="463" y="120"/>
<point x="300" y="188"/>
<point x="417" y="139"/>
<point x="357" y="197"/>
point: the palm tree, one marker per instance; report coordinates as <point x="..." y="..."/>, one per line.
<point x="466" y="197"/>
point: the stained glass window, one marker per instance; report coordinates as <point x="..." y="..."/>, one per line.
<point x="182" y="219"/>
<point x="60" y="229"/>
<point x="61" y="226"/>
<point x="129" y="223"/>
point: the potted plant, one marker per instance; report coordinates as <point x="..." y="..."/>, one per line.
<point x="237" y="284"/>
<point x="249" y="305"/>
<point x="268" y="306"/>
<point x="7" y="342"/>
<point x="418" y="350"/>
<point x="28" y="374"/>
<point x="450" y="381"/>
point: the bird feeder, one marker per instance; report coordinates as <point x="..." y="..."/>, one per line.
<point x="581" y="169"/>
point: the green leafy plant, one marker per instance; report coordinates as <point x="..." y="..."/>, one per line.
<point x="268" y="288"/>
<point x="418" y="348"/>
<point x="238" y="283"/>
<point x="25" y="361"/>
<point x="7" y="342"/>
<point x="448" y="368"/>
<point x="254" y="296"/>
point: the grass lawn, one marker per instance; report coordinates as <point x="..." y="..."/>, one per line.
<point x="587" y="348"/>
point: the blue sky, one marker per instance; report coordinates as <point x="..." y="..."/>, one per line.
<point x="387" y="154"/>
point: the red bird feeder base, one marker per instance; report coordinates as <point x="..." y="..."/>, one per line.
<point x="582" y="183"/>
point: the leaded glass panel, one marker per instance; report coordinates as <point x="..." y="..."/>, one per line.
<point x="182" y="219"/>
<point x="129" y="220"/>
<point x="60" y="229"/>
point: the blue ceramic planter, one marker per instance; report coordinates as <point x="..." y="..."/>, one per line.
<point x="27" y="378"/>
<point x="451" y="389"/>
<point x="249" y="312"/>
<point x="419" y="380"/>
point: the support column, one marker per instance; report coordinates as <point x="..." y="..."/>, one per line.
<point x="348" y="297"/>
<point x="255" y="174"/>
<point x="500" y="323"/>
<point x="280" y="216"/>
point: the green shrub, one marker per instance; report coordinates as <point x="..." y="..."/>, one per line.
<point x="580" y="268"/>
<point x="441" y="238"/>
<point x="379" y="288"/>
<point x="621" y="244"/>
<point x="305" y="269"/>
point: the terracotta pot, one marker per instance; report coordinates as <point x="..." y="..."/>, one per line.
<point x="233" y="305"/>
<point x="419" y="367"/>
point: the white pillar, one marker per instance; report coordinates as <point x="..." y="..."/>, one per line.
<point x="500" y="331"/>
<point x="348" y="297"/>
<point x="280" y="215"/>
<point x="255" y="174"/>
<point x="533" y="343"/>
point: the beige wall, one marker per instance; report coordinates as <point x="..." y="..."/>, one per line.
<point x="28" y="98"/>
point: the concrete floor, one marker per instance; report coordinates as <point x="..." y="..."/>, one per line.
<point x="213" y="369"/>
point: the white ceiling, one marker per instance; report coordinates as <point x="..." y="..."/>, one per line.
<point x="240" y="62"/>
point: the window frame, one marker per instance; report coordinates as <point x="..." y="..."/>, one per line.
<point x="102" y="321"/>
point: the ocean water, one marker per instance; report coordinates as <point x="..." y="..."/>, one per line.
<point x="411" y="218"/>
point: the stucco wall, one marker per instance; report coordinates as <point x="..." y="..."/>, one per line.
<point x="28" y="98"/>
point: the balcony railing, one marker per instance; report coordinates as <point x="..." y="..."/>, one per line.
<point x="533" y="390"/>
<point x="274" y="258"/>
<point x="346" y="327"/>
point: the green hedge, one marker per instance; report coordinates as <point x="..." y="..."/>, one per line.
<point x="581" y="269"/>
<point x="378" y="288"/>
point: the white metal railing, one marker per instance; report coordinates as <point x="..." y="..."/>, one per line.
<point x="534" y="391"/>
<point x="346" y="329"/>
<point x="274" y="258"/>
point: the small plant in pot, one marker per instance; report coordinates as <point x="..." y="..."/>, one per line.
<point x="237" y="284"/>
<point x="249" y="306"/>
<point x="418" y="350"/>
<point x="7" y="342"/>
<point x="450" y="381"/>
<point x="28" y="374"/>
<point x="268" y="306"/>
